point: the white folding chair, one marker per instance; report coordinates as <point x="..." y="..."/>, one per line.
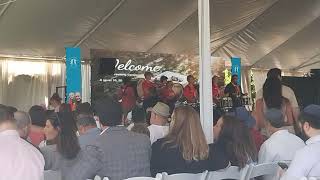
<point x="52" y="175"/>
<point x="185" y="176"/>
<point x="158" y="177"/>
<point x="262" y="170"/>
<point x="99" y="178"/>
<point x="232" y="172"/>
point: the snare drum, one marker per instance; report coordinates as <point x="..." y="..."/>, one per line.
<point x="245" y="100"/>
<point x="226" y="102"/>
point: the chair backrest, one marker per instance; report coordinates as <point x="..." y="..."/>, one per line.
<point x="52" y="175"/>
<point x="99" y="178"/>
<point x="143" y="178"/>
<point x="232" y="172"/>
<point x="185" y="176"/>
<point x="262" y="170"/>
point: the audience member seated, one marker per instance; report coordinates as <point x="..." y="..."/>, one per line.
<point x="23" y="123"/>
<point x="12" y="110"/>
<point x="51" y="130"/>
<point x="38" y="120"/>
<point x="19" y="159"/>
<point x="117" y="153"/>
<point x="281" y="145"/>
<point x="273" y="98"/>
<point x="64" y="156"/>
<point x="141" y="128"/>
<point x="138" y="116"/>
<point x="234" y="138"/>
<point x="159" y="121"/>
<point x="185" y="149"/>
<point x="242" y="114"/>
<point x="88" y="130"/>
<point x="306" y="162"/>
<point x="84" y="110"/>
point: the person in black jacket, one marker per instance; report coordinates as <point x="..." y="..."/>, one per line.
<point x="185" y="149"/>
<point x="234" y="91"/>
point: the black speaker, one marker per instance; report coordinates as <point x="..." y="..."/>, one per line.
<point x="106" y="66"/>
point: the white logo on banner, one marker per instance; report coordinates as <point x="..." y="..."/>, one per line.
<point x="73" y="61"/>
<point x="130" y="67"/>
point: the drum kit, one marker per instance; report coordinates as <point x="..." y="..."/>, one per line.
<point x="224" y="104"/>
<point x="227" y="103"/>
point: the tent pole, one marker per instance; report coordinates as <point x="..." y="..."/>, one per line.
<point x="206" y="109"/>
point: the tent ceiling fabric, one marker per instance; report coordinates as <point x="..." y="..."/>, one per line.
<point x="264" y="33"/>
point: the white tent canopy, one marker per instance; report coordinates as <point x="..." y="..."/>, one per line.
<point x="264" y="33"/>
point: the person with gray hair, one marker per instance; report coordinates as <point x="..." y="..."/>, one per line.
<point x="88" y="130"/>
<point x="23" y="122"/>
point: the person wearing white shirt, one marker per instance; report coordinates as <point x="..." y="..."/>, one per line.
<point x="159" y="120"/>
<point x="19" y="159"/>
<point x="281" y="145"/>
<point x="306" y="162"/>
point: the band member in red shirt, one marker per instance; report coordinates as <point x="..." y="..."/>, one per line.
<point x="127" y="96"/>
<point x="163" y="81"/>
<point x="190" y="91"/>
<point x="215" y="89"/>
<point x="147" y="85"/>
<point x="167" y="94"/>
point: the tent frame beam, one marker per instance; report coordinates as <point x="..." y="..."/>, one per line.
<point x="5" y="8"/>
<point x="241" y="30"/>
<point x="100" y="23"/>
<point x="278" y="46"/>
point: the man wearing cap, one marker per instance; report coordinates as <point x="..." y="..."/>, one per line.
<point x="159" y="120"/>
<point x="306" y="162"/>
<point x="281" y="145"/>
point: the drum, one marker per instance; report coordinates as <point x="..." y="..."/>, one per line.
<point x="226" y="102"/>
<point x="178" y="90"/>
<point x="245" y="100"/>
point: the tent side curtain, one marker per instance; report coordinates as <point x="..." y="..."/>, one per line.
<point x="28" y="82"/>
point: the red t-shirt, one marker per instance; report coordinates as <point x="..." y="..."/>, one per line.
<point x="190" y="93"/>
<point x="166" y="94"/>
<point x="147" y="86"/>
<point x="128" y="97"/>
<point x="215" y="91"/>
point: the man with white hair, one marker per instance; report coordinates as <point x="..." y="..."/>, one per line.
<point x="23" y="123"/>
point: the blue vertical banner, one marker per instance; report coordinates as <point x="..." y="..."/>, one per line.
<point x="73" y="74"/>
<point x="236" y="67"/>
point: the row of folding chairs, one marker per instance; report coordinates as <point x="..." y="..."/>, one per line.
<point x="232" y="172"/>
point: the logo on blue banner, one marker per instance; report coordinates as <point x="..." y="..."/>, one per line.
<point x="73" y="74"/>
<point x="236" y="67"/>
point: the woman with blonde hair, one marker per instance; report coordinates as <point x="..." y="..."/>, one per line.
<point x="185" y="149"/>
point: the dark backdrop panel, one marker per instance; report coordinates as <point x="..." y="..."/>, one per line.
<point x="307" y="89"/>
